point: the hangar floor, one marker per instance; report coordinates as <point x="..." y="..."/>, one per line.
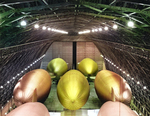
<point x="55" y="108"/>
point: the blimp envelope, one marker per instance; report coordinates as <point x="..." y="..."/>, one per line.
<point x="88" y="66"/>
<point x="30" y="109"/>
<point x="73" y="90"/>
<point x="110" y="86"/>
<point x="33" y="86"/>
<point x="57" y="67"/>
<point x="115" y="109"/>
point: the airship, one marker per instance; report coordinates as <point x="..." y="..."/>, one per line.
<point x="30" y="109"/>
<point x="33" y="86"/>
<point x="57" y="67"/>
<point x="88" y="66"/>
<point x="111" y="108"/>
<point x="73" y="90"/>
<point x="110" y="86"/>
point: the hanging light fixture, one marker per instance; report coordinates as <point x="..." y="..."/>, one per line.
<point x="23" y="23"/>
<point x="115" y="26"/>
<point x="44" y="28"/>
<point x="100" y="29"/>
<point x="130" y="24"/>
<point x="36" y="26"/>
<point x="49" y="29"/>
<point x="106" y="28"/>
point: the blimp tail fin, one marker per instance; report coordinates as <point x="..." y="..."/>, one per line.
<point x="34" y="96"/>
<point x="113" y="95"/>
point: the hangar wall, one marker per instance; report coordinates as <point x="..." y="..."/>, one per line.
<point x="64" y="50"/>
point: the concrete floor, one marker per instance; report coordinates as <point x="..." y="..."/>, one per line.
<point x="55" y="108"/>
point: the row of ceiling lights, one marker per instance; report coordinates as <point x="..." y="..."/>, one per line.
<point x="24" y="23"/>
<point x="50" y="29"/>
<point x="93" y="30"/>
<point x="130" y="24"/>
<point x="98" y="29"/>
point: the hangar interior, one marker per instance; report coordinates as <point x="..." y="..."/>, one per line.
<point x="60" y="26"/>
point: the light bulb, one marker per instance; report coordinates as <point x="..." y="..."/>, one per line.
<point x="115" y="26"/>
<point x="44" y="28"/>
<point x="96" y="30"/>
<point x="49" y="29"/>
<point x="93" y="30"/>
<point x="23" y="23"/>
<point x="106" y="28"/>
<point x="100" y="29"/>
<point x="36" y="26"/>
<point x="1" y="87"/>
<point x="130" y="24"/>
<point x="144" y="87"/>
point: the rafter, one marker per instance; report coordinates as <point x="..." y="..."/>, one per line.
<point x="124" y="9"/>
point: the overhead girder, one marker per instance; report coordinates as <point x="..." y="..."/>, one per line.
<point x="145" y="19"/>
<point x="42" y="7"/>
<point x="87" y="4"/>
<point x="13" y="1"/>
<point x="122" y="14"/>
<point x="34" y="9"/>
<point x="82" y="14"/>
<point x="123" y="9"/>
<point x="29" y="12"/>
<point x="11" y="20"/>
<point x="109" y="17"/>
<point x="41" y="16"/>
<point x="119" y="18"/>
